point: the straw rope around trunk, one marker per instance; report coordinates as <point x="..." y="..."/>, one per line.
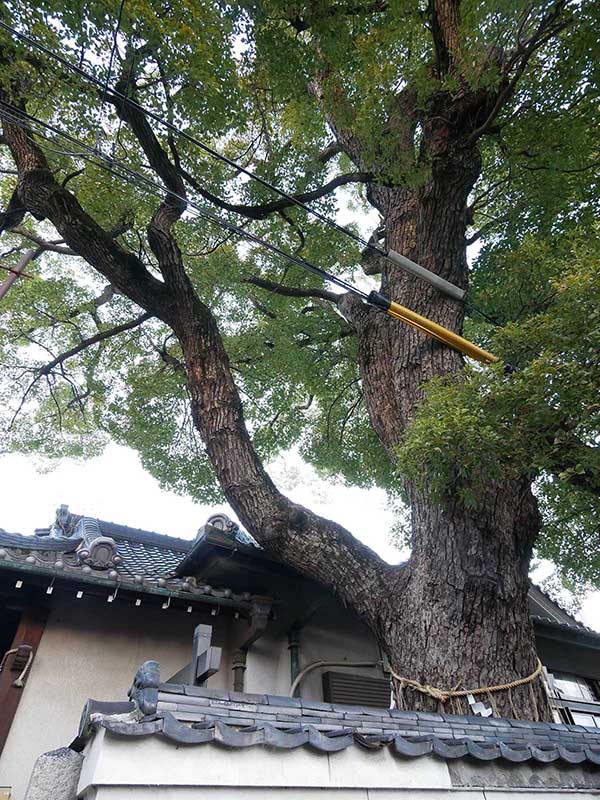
<point x="443" y="695"/>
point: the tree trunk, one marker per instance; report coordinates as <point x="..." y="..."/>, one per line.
<point x="463" y="619"/>
<point x="458" y="616"/>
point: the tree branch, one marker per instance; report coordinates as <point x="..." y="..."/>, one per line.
<point x="14" y="213"/>
<point x="562" y="170"/>
<point x="289" y="291"/>
<point x="572" y="455"/>
<point x="302" y="24"/>
<point x="316" y="547"/>
<point x="549" y="26"/>
<point x="44" y="197"/>
<point x="261" y="211"/>
<point x="170" y="210"/>
<point x="490" y="225"/>
<point x="478" y="200"/>
<point x="328" y="152"/>
<point x="99" y="337"/>
<point x="53" y="247"/>
<point x="444" y="16"/>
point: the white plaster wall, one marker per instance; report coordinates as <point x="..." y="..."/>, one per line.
<point x="155" y="762"/>
<point x="91" y="648"/>
<point x="155" y="769"/>
<point x="268" y="666"/>
<point x="333" y="635"/>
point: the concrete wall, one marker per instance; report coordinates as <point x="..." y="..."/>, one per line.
<point x="158" y="766"/>
<point x="92" y="648"/>
<point x="155" y="769"/>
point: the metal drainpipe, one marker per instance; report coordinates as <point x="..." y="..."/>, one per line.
<point x="239" y="670"/>
<point x="294" y="648"/>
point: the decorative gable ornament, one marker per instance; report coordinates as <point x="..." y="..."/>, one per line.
<point x="222" y="523"/>
<point x="101" y="553"/>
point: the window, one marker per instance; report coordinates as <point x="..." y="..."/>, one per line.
<point x="589" y="720"/>
<point x="572" y="687"/>
<point x="577" y="699"/>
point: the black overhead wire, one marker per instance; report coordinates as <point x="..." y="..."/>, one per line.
<point x="106" y="90"/>
<point x="189" y="138"/>
<point x="113" y="165"/>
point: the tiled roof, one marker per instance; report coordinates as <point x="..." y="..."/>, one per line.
<point x="37" y="543"/>
<point x="542" y="606"/>
<point x="146" y="559"/>
<point x="116" y="531"/>
<point x="142" y="553"/>
<point x="195" y="715"/>
<point x="129" y="556"/>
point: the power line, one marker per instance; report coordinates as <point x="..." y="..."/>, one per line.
<point x="23" y="119"/>
<point x="405" y="315"/>
<point x="188" y="137"/>
<point x="442" y="285"/>
<point x="411" y="267"/>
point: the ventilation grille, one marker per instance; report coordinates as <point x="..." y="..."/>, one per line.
<point x="357" y="690"/>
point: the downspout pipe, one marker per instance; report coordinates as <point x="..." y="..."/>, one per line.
<point x="294" y="648"/>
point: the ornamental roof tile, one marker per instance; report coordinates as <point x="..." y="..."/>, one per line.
<point x="196" y="715"/>
<point x="85" y="548"/>
<point x="66" y="545"/>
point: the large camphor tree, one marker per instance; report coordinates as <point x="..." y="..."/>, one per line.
<point x="457" y="123"/>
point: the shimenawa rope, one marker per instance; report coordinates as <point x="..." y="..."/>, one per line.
<point x="443" y="695"/>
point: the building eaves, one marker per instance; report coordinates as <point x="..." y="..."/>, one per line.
<point x="551" y="609"/>
<point x="571" y="633"/>
<point x="145" y="563"/>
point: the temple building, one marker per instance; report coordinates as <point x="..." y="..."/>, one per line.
<point x="137" y="665"/>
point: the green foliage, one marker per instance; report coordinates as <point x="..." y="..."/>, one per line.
<point x="239" y="76"/>
<point x="542" y="420"/>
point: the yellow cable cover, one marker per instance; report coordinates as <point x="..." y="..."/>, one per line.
<point x="440" y="333"/>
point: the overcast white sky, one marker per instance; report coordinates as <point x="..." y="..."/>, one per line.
<point x="114" y="487"/>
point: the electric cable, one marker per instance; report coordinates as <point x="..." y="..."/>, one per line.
<point x="398" y="259"/>
<point x="185" y="135"/>
<point x="20" y="117"/>
<point x="374" y="298"/>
